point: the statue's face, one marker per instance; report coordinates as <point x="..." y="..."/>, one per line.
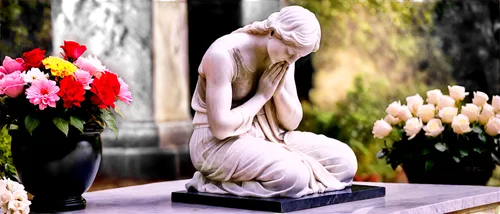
<point x="279" y="51"/>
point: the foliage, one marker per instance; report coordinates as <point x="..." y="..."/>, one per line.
<point x="24" y="24"/>
<point x="7" y="168"/>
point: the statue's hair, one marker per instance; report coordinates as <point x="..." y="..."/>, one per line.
<point x="294" y="25"/>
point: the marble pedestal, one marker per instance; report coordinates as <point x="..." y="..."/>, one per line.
<point x="354" y="193"/>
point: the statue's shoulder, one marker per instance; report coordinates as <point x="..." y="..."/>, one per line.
<point x="219" y="56"/>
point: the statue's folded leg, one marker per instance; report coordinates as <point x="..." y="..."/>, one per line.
<point x="337" y="157"/>
<point x="251" y="166"/>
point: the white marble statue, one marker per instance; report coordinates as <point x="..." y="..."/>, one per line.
<point x="247" y="108"/>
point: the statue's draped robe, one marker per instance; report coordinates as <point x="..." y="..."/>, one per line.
<point x="263" y="160"/>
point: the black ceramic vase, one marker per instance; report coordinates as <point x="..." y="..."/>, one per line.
<point x="57" y="169"/>
<point x="464" y="173"/>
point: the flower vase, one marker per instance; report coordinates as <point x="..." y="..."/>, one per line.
<point x="449" y="172"/>
<point x="57" y="169"/>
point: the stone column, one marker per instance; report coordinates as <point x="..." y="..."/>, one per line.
<point x="258" y="10"/>
<point x="171" y="73"/>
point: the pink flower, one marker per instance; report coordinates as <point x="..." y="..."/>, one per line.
<point x="90" y="64"/>
<point x="43" y="93"/>
<point x="10" y="65"/>
<point x="124" y="94"/>
<point x="84" y="78"/>
<point x="12" y="84"/>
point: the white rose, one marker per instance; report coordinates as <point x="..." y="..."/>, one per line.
<point x="16" y="205"/>
<point x="433" y="128"/>
<point x="480" y="98"/>
<point x="433" y="96"/>
<point x="457" y="92"/>
<point x="461" y="124"/>
<point x="447" y="113"/>
<point x="20" y="195"/>
<point x="393" y="108"/>
<point x="14" y="186"/>
<point x="445" y="101"/>
<point x="495" y="102"/>
<point x="413" y="127"/>
<point x="471" y="111"/>
<point x="426" y="112"/>
<point x="381" y="129"/>
<point x="404" y="113"/>
<point x="5" y="197"/>
<point x="413" y="102"/>
<point x="391" y="120"/>
<point x="492" y="128"/>
<point x="486" y="113"/>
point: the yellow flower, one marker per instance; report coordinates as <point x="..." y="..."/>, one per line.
<point x="59" y="67"/>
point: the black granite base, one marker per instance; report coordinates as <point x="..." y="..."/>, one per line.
<point x="354" y="193"/>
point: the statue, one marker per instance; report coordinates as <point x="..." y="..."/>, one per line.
<point x="247" y="109"/>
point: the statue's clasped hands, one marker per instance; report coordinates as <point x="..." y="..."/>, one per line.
<point x="272" y="79"/>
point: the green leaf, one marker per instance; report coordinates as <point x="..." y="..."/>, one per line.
<point x="456" y="159"/>
<point x="31" y="123"/>
<point x="479" y="150"/>
<point x="76" y="122"/>
<point x="428" y="165"/>
<point x="477" y="129"/>
<point x="463" y="153"/>
<point x="382" y="153"/>
<point x="425" y="151"/>
<point x="482" y="138"/>
<point x="441" y="147"/>
<point x="61" y="124"/>
<point x="109" y="120"/>
<point x="118" y="111"/>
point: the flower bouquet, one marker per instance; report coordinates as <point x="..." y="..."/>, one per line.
<point x="445" y="140"/>
<point x="13" y="197"/>
<point x="55" y="109"/>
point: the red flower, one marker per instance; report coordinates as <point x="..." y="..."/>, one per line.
<point x="71" y="92"/>
<point x="72" y="50"/>
<point x="105" y="89"/>
<point x="33" y="58"/>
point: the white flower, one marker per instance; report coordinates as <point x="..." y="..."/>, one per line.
<point x="5" y="197"/>
<point x="486" y="113"/>
<point x="413" y="102"/>
<point x="404" y="113"/>
<point x="445" y="101"/>
<point x="393" y="108"/>
<point x="20" y="195"/>
<point x="426" y="112"/>
<point x="34" y="74"/>
<point x="391" y="120"/>
<point x="433" y="96"/>
<point x="495" y="102"/>
<point x="457" y="92"/>
<point x="480" y="98"/>
<point x="433" y="128"/>
<point x="461" y="124"/>
<point x="381" y="129"/>
<point x="14" y="186"/>
<point x="492" y="128"/>
<point x="471" y="111"/>
<point x="412" y="127"/>
<point x="447" y="113"/>
<point x="18" y="206"/>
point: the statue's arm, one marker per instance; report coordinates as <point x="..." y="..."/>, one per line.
<point x="288" y="107"/>
<point x="224" y="121"/>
